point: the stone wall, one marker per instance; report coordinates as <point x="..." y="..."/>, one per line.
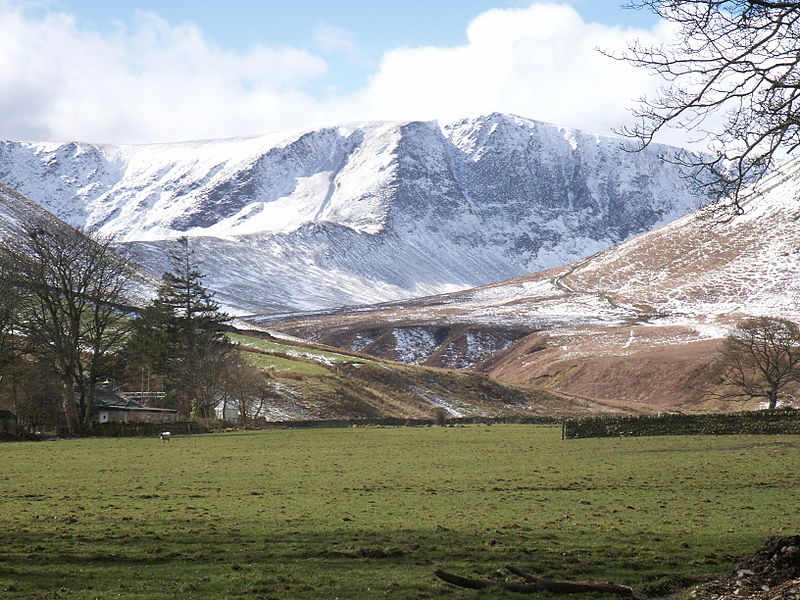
<point x="137" y="429"/>
<point x="785" y="421"/>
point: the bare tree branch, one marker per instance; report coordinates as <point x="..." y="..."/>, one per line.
<point x="759" y="358"/>
<point x="734" y="59"/>
<point x="75" y="287"/>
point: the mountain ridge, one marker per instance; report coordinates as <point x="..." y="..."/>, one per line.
<point x="361" y="213"/>
<point x="639" y="322"/>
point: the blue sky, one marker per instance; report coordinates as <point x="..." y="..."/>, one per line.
<point x="148" y="70"/>
<point x="373" y="26"/>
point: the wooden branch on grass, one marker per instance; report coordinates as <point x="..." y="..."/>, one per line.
<point x="535" y="584"/>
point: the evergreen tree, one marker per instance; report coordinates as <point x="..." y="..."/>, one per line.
<point x="149" y="346"/>
<point x="181" y="336"/>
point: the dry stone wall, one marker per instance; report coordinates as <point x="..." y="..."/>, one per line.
<point x="785" y="421"/>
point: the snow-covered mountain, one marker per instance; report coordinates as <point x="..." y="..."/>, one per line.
<point x="691" y="271"/>
<point x="18" y="212"/>
<point x="638" y="323"/>
<point x="15" y="210"/>
<point x="360" y="213"/>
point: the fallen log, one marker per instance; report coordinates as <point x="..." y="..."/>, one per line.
<point x="535" y="584"/>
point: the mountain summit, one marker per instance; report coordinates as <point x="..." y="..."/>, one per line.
<point x="359" y="213"/>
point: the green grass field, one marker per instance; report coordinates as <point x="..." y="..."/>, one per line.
<point x="368" y="513"/>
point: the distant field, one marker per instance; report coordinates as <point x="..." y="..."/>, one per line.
<point x="367" y="513"/>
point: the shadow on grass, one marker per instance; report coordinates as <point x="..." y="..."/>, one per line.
<point x="348" y="563"/>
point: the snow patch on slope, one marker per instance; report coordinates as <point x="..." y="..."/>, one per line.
<point x="362" y="213"/>
<point x="414" y="345"/>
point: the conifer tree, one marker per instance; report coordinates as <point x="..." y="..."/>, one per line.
<point x="181" y="336"/>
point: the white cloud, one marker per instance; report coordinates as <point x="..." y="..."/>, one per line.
<point x="157" y="81"/>
<point x="336" y="40"/>
<point x="540" y="62"/>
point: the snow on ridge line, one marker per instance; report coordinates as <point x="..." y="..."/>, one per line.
<point x="159" y="187"/>
<point x="219" y="187"/>
<point x="356" y="213"/>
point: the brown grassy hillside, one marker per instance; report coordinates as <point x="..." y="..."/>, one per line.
<point x="311" y="381"/>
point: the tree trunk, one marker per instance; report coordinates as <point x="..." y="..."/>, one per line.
<point x="772" y="396"/>
<point x="87" y="406"/>
<point x="68" y="404"/>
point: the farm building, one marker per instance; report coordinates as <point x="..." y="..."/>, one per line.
<point x="227" y="411"/>
<point x="115" y="406"/>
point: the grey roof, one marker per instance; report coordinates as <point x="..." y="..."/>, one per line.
<point x="106" y="398"/>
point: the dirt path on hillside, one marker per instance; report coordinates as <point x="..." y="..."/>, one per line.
<point x="559" y="282"/>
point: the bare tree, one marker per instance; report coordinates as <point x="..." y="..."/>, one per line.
<point x="75" y="288"/>
<point x="33" y="391"/>
<point x="440" y="415"/>
<point x="10" y="305"/>
<point x="759" y="358"/>
<point x="246" y="388"/>
<point x="738" y="59"/>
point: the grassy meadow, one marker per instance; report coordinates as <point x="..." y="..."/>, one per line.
<point x="369" y="512"/>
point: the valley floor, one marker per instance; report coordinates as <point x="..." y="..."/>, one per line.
<point x="369" y="512"/>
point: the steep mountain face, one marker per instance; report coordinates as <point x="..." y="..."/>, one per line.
<point x="15" y="210"/>
<point x="17" y="213"/>
<point x="638" y="323"/>
<point x="362" y="213"/>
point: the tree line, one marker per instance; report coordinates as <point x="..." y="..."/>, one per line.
<point x="66" y="321"/>
<point x="69" y="321"/>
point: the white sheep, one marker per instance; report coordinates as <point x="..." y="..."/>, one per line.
<point x="165" y="436"/>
